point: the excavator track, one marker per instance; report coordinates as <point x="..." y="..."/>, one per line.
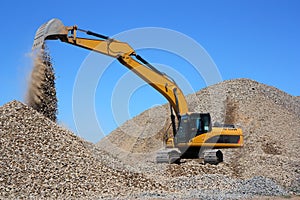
<point x="173" y="155"/>
<point x="213" y="156"/>
<point x="170" y="155"/>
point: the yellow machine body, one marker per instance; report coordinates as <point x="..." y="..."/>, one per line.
<point x="194" y="129"/>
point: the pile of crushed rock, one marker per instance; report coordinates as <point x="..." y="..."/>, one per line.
<point x="40" y="159"/>
<point x="270" y="120"/>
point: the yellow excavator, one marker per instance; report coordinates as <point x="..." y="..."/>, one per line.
<point x="192" y="133"/>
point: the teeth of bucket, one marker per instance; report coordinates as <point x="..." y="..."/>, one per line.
<point x="53" y="29"/>
<point x="39" y="37"/>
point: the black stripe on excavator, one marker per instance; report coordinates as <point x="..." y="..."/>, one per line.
<point x="148" y="64"/>
<point x="231" y="139"/>
<point x="97" y="35"/>
<point x="153" y="68"/>
<point x="173" y="121"/>
<point x="176" y="101"/>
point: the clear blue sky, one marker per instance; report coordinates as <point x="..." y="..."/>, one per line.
<point x="252" y="39"/>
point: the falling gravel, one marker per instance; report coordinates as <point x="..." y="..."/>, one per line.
<point x="41" y="94"/>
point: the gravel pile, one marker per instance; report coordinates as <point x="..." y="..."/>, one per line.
<point x="270" y="119"/>
<point x="42" y="160"/>
<point x="39" y="159"/>
<point x="267" y="165"/>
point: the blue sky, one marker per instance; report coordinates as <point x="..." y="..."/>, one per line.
<point x="252" y="39"/>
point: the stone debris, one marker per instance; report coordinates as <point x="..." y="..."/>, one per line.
<point x="39" y="159"/>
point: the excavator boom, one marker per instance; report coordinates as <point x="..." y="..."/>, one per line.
<point x="54" y="29"/>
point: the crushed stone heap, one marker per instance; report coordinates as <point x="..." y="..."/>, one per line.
<point x="39" y="159"/>
<point x="269" y="117"/>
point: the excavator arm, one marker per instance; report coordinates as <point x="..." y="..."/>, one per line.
<point x="54" y="29"/>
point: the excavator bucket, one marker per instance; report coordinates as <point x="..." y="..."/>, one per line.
<point x="52" y="30"/>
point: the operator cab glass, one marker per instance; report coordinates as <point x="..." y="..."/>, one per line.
<point x="193" y="125"/>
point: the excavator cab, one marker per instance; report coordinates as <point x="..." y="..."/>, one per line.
<point x="192" y="125"/>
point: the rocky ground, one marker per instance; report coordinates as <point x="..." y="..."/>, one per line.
<point x="39" y="159"/>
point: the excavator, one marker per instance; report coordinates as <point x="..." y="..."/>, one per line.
<point x="192" y="133"/>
